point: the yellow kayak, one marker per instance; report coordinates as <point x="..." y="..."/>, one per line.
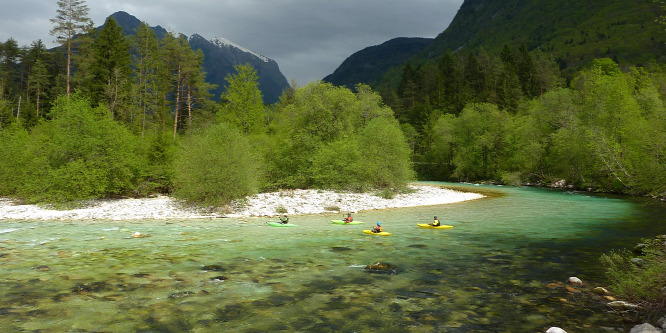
<point x="428" y="226"/>
<point x="383" y="233"/>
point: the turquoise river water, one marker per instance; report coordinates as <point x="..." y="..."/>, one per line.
<point x="502" y="268"/>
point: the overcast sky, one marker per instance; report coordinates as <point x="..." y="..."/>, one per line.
<point x="308" y="39"/>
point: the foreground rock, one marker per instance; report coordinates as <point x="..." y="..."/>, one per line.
<point x="555" y="330"/>
<point x="645" y="328"/>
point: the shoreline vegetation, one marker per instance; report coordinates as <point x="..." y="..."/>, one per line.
<point x="292" y="202"/>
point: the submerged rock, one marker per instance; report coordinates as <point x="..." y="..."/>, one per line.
<point x="600" y="291"/>
<point x="381" y="268"/>
<point x="213" y="268"/>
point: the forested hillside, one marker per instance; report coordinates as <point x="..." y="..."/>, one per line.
<point x="493" y="100"/>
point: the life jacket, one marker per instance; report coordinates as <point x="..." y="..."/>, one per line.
<point x="435" y="223"/>
<point x="348" y="219"/>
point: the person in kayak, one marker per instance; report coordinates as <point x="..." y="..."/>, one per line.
<point x="435" y="223"/>
<point x="378" y="228"/>
<point x="284" y="219"/>
<point x="348" y="218"/>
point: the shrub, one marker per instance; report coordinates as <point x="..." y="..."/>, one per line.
<point x="81" y="154"/>
<point x="215" y="167"/>
<point x="640" y="282"/>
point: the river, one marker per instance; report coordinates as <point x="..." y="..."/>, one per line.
<point x="501" y="268"/>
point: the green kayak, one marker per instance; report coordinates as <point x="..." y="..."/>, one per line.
<point x="278" y="224"/>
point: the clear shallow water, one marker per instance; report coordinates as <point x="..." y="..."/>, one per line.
<point x="501" y="268"/>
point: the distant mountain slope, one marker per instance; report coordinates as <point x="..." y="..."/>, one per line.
<point x="369" y="64"/>
<point x="575" y="31"/>
<point x="220" y="56"/>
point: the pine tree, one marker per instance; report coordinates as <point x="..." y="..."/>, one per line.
<point x="37" y="82"/>
<point x="110" y="79"/>
<point x="71" y="19"/>
<point x="146" y="64"/>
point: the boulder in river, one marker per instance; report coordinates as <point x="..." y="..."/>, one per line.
<point x="381" y="268"/>
<point x="645" y="328"/>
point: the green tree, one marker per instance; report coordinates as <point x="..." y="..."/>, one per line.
<point x="216" y="167"/>
<point x="242" y="102"/>
<point x="71" y="19"/>
<point x="385" y="155"/>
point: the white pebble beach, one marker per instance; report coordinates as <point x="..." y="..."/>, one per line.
<point x="293" y="202"/>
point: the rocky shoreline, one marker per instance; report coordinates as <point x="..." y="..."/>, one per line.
<point x="293" y="202"/>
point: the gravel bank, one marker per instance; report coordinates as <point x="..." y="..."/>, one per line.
<point x="293" y="202"/>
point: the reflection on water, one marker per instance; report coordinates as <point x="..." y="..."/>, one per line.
<point x="500" y="269"/>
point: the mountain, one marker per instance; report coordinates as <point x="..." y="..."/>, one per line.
<point x="369" y="64"/>
<point x="574" y="31"/>
<point x="220" y="56"/>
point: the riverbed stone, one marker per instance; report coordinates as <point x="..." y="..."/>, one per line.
<point x="600" y="291"/>
<point x="622" y="305"/>
<point x="559" y="184"/>
<point x="576" y="281"/>
<point x="645" y="328"/>
<point x="555" y="330"/>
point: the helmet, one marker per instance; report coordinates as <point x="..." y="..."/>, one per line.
<point x="379" y="223"/>
<point x="435" y="217"/>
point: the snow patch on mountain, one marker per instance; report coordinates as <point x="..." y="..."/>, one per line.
<point x="220" y="41"/>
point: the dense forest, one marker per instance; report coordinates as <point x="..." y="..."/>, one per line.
<point x="512" y="118"/>
<point x="135" y="117"/>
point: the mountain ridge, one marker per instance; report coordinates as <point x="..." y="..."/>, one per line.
<point x="220" y="57"/>
<point x="370" y="63"/>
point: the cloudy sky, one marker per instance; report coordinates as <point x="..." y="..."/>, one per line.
<point x="309" y="39"/>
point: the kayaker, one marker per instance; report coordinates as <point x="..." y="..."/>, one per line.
<point x="284" y="219"/>
<point x="348" y="218"/>
<point x="435" y="223"/>
<point x="378" y="228"/>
